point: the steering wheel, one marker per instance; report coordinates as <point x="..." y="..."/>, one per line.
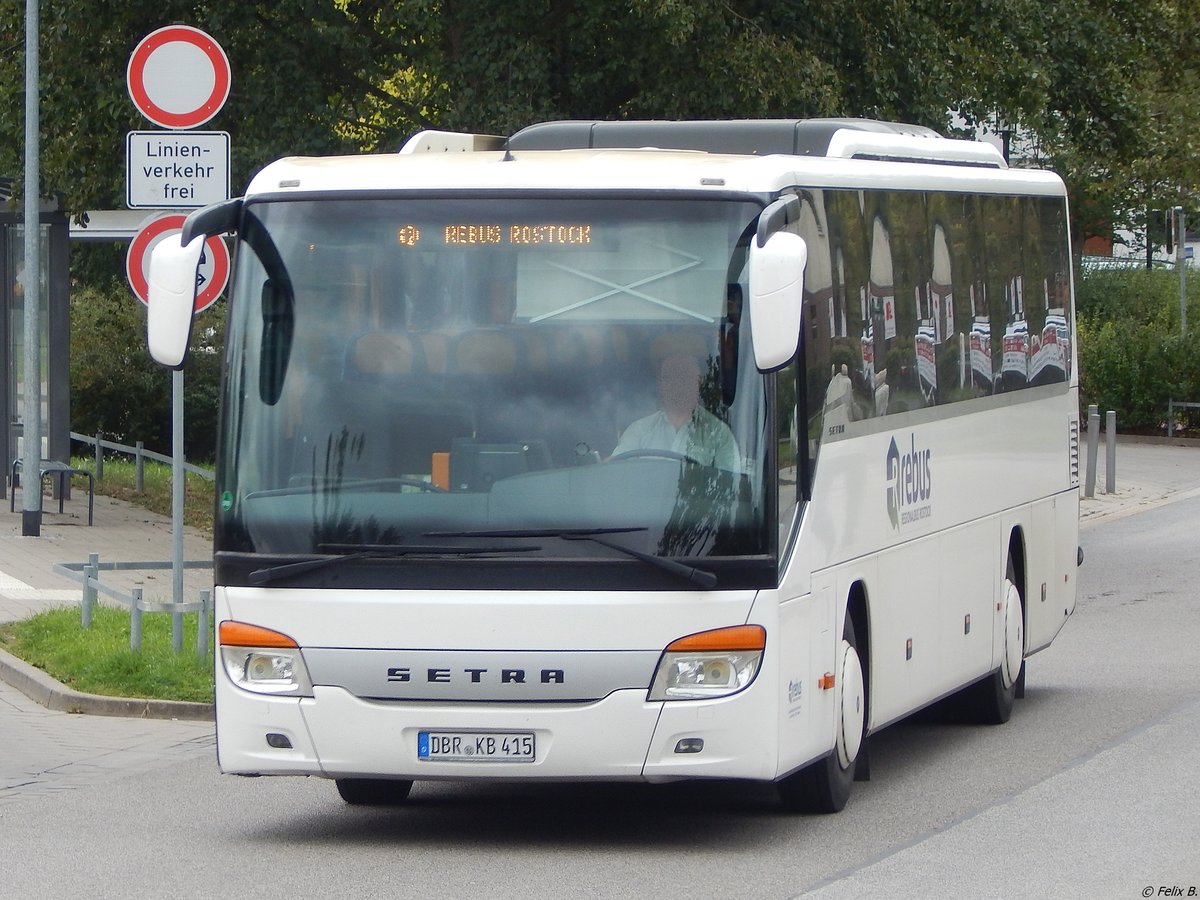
<point x="652" y="453"/>
<point x="364" y="484"/>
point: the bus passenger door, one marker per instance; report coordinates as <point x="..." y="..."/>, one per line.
<point x="968" y="572"/>
<point x="905" y="651"/>
<point x="1052" y="570"/>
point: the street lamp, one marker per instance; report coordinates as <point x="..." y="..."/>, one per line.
<point x="31" y="492"/>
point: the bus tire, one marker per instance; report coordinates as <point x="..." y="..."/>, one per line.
<point x="824" y="786"/>
<point x="373" y="791"/>
<point x="991" y="700"/>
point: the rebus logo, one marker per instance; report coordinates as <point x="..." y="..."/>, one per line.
<point x="910" y="484"/>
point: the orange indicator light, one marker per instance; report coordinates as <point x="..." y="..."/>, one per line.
<point x="736" y="637"/>
<point x="242" y="634"/>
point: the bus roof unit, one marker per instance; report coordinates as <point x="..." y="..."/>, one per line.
<point x="833" y="138"/>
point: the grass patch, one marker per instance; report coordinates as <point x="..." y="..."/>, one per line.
<point x="120" y="481"/>
<point x="98" y="660"/>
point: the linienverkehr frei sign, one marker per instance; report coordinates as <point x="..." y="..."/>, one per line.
<point x="168" y="169"/>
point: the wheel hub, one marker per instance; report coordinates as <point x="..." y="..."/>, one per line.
<point x="852" y="712"/>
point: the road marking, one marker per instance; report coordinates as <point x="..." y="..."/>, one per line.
<point x="15" y="589"/>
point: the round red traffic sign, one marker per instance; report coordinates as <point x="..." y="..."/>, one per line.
<point x="178" y="77"/>
<point x="213" y="273"/>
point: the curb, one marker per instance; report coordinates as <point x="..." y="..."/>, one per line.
<point x="41" y="688"/>
<point x="1098" y="511"/>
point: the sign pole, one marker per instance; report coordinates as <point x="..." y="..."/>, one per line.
<point x="178" y="78"/>
<point x="177" y="486"/>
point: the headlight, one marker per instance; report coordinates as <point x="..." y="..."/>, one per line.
<point x="709" y="664"/>
<point x="263" y="661"/>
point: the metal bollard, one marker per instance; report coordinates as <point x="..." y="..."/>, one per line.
<point x="91" y="572"/>
<point x="135" y="622"/>
<point x="1110" y="458"/>
<point x="1093" y="442"/>
<point x="202" y="625"/>
<point x="139" y="469"/>
<point x="177" y="632"/>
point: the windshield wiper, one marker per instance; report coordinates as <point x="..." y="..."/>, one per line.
<point x="692" y="575"/>
<point x="375" y="551"/>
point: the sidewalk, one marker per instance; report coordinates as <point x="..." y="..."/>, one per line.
<point x="121" y="532"/>
<point x="1149" y="473"/>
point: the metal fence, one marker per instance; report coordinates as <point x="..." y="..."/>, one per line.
<point x="1173" y="405"/>
<point x="88" y="575"/>
<point x="139" y="453"/>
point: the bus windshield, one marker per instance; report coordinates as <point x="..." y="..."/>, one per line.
<point x="493" y="375"/>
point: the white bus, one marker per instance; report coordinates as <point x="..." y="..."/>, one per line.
<point x="632" y="451"/>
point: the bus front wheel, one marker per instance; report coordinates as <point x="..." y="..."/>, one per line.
<point x="824" y="786"/>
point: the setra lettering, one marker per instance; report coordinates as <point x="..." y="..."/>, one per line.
<point x="478" y="675"/>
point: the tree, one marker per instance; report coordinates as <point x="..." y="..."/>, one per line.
<point x="1104" y="90"/>
<point x="117" y="389"/>
<point x="293" y="88"/>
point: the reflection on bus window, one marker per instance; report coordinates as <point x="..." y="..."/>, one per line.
<point x="955" y="317"/>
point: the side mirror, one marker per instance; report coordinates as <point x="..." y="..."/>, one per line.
<point x="172" y="297"/>
<point x="776" y="273"/>
<point x="278" y="326"/>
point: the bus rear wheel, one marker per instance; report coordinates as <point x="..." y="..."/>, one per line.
<point x="373" y="791"/>
<point x="824" y="786"/>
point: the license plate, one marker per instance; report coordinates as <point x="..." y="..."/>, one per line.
<point x="475" y="746"/>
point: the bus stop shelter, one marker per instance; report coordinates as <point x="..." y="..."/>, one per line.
<point x="54" y="326"/>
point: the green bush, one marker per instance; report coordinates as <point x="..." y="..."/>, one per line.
<point x="1132" y="357"/>
<point x="117" y="389"/>
<point x="1138" y="293"/>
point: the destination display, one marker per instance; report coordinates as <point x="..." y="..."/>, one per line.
<point x="492" y="234"/>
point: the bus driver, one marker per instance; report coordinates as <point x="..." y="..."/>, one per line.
<point x="681" y="425"/>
